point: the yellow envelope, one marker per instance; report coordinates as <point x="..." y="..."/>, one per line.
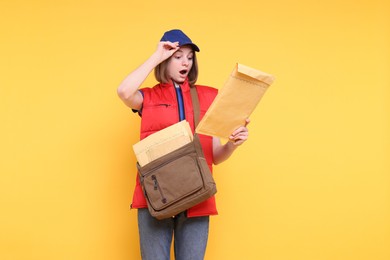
<point x="163" y="142"/>
<point x="235" y="101"/>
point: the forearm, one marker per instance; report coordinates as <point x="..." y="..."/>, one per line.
<point x="222" y="152"/>
<point x="127" y="90"/>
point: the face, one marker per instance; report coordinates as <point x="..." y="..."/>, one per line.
<point x="180" y="64"/>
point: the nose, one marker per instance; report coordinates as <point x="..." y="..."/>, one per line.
<point x="185" y="62"/>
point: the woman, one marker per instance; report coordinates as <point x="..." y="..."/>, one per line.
<point x="176" y="69"/>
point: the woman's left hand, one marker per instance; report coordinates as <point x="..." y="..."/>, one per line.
<point x="240" y="135"/>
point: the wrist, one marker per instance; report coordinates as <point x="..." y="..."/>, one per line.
<point x="153" y="61"/>
<point x="230" y="145"/>
<point x="156" y="59"/>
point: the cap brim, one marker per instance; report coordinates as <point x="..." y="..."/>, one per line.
<point x="194" y="47"/>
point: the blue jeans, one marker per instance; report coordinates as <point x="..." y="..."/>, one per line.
<point x="190" y="236"/>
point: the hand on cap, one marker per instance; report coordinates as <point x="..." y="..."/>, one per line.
<point x="166" y="49"/>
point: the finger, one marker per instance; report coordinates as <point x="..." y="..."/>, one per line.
<point x="247" y="121"/>
<point x="171" y="45"/>
<point x="239" y="141"/>
<point x="239" y="136"/>
<point x="241" y="129"/>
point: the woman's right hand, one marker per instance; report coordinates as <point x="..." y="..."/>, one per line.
<point x="127" y="90"/>
<point x="166" y="49"/>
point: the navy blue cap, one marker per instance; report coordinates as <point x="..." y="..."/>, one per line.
<point x="178" y="36"/>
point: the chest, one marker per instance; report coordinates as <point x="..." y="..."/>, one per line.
<point x="161" y="109"/>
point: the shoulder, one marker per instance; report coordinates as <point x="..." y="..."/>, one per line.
<point x="206" y="91"/>
<point x="155" y="88"/>
<point x="206" y="95"/>
<point x="155" y="91"/>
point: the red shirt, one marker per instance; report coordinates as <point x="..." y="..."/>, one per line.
<point x="160" y="110"/>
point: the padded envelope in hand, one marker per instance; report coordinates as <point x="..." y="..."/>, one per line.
<point x="235" y="101"/>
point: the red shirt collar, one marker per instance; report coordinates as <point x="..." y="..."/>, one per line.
<point x="185" y="86"/>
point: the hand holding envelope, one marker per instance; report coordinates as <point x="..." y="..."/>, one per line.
<point x="235" y="102"/>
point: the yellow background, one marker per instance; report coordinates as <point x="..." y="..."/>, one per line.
<point x="311" y="183"/>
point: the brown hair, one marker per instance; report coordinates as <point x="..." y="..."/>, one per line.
<point x="160" y="71"/>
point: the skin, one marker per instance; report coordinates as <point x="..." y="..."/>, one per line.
<point x="179" y="64"/>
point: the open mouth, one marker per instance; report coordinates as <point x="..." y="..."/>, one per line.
<point x="183" y="72"/>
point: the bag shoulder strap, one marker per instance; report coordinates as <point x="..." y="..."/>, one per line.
<point x="195" y="104"/>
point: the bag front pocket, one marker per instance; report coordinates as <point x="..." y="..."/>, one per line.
<point x="172" y="181"/>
